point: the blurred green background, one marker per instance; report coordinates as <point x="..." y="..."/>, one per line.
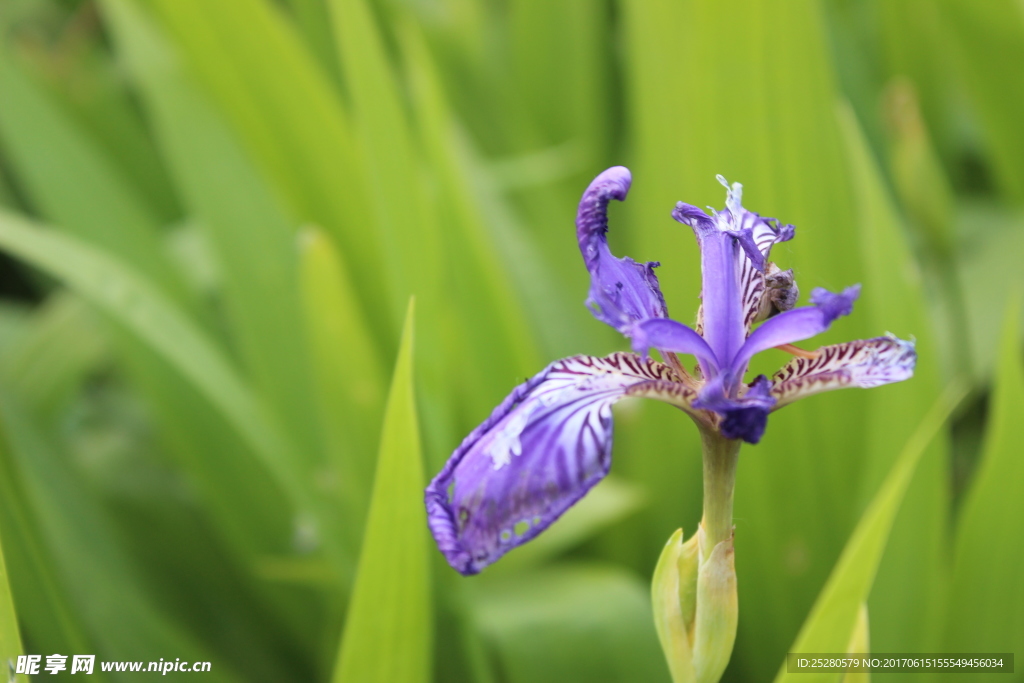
<point x="213" y="214"/>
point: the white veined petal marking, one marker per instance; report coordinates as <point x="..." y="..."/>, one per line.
<point x="864" y="363"/>
<point x="598" y="382"/>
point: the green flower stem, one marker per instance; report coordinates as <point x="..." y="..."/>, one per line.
<point x="720" y="458"/>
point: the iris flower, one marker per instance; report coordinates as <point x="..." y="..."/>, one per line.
<point x="550" y="440"/>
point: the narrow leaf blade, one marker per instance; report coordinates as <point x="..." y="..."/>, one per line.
<point x="830" y="625"/>
<point x="144" y="310"/>
<point x="388" y="635"/>
<point x="986" y="609"/>
<point x="10" y="636"/>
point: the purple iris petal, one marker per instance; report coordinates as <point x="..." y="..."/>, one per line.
<point x="669" y="335"/>
<point x="742" y="418"/>
<point x="721" y="302"/>
<point x="539" y="452"/>
<point x="622" y="291"/>
<point x="863" y="363"/>
<point x="796" y="325"/>
<point x="746" y="241"/>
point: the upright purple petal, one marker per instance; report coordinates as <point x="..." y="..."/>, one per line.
<point x="539" y="452"/>
<point x="796" y="325"/>
<point x="735" y="244"/>
<point x="864" y="363"/>
<point x="757" y="235"/>
<point x="722" y="313"/>
<point x="622" y="291"/>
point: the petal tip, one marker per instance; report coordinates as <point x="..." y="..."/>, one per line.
<point x="612" y="183"/>
<point x="690" y="215"/>
<point x="834" y="305"/>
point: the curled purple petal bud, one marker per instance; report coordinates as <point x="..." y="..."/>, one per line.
<point x="622" y="291"/>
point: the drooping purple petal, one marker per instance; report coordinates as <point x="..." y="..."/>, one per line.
<point x="796" y="325"/>
<point x="744" y="417"/>
<point x="864" y="363"/>
<point x="622" y="291"/>
<point x="669" y="335"/>
<point x="539" y="452"/>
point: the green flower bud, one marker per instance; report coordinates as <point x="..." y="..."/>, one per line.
<point x="674" y="597"/>
<point x="695" y="609"/>
<point x="714" y="627"/>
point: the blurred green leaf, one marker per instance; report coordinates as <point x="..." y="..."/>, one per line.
<point x="992" y="240"/>
<point x="985" y="39"/>
<point x="382" y="130"/>
<point x="910" y="40"/>
<point x="42" y="368"/>
<point x="350" y="376"/>
<point x="446" y="256"/>
<point x="69" y="180"/>
<point x="986" y="611"/>
<point x="289" y="120"/>
<point x="10" y="636"/>
<point x="211" y="449"/>
<point x="48" y="619"/>
<point x="907" y="596"/>
<point x="485" y="329"/>
<point x="314" y="20"/>
<point x="136" y="303"/>
<point x="572" y="623"/>
<point x="388" y="630"/>
<point x="100" y="579"/>
<point x="251" y="236"/>
<point x="66" y="174"/>
<point x="830" y="625"/>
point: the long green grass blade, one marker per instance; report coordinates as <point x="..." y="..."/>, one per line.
<point x="132" y="300"/>
<point x="289" y="119"/>
<point x="99" y="576"/>
<point x="382" y="129"/>
<point x="350" y="375"/>
<point x="388" y="632"/>
<point x="252" y="238"/>
<point x="42" y="368"/>
<point x="986" y="611"/>
<point x="830" y="625"/>
<point x="914" y="568"/>
<point x="494" y="338"/>
<point x="48" y="618"/>
<point x="10" y="635"/>
<point x="71" y="182"/>
<point x="986" y="39"/>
